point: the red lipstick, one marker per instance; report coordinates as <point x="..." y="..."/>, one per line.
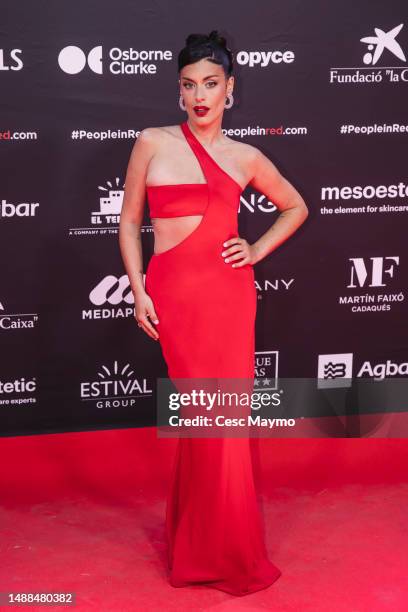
<point x="201" y="111"/>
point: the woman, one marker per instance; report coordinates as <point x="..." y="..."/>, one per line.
<point x="199" y="300"/>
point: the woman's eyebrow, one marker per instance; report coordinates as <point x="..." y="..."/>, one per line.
<point x="204" y="79"/>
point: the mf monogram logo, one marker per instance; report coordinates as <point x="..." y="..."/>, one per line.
<point x="378" y="270"/>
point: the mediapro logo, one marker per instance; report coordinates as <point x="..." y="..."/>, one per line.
<point x="112" y="298"/>
<point x="112" y="290"/>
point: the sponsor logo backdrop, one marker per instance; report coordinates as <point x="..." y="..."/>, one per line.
<point x="320" y="89"/>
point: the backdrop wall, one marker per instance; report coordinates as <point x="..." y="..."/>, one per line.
<point x="321" y="89"/>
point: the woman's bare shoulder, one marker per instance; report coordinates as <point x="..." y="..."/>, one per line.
<point x="244" y="151"/>
<point x="159" y="132"/>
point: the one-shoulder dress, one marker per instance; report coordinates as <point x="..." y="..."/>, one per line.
<point x="206" y="311"/>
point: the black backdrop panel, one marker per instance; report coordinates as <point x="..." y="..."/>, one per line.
<point x="79" y="82"/>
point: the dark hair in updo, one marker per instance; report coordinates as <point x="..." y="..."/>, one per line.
<point x="212" y="47"/>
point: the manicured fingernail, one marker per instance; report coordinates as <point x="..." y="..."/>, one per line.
<point x="225" y="244"/>
<point x="226" y="260"/>
<point x="156" y="321"/>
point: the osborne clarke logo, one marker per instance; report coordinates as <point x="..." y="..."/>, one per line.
<point x="73" y="60"/>
<point x="115" y="387"/>
<point x="10" y="60"/>
<point x="373" y="274"/>
<point x="382" y="45"/>
<point x="116" y="61"/>
<point x="113" y="297"/>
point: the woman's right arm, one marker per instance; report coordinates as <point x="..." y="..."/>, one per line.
<point x="131" y="220"/>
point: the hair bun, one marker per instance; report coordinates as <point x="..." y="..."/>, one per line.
<point x="210" y="46"/>
<point x="213" y="35"/>
<point x="194" y="39"/>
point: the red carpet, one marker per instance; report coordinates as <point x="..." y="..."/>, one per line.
<point x="84" y="512"/>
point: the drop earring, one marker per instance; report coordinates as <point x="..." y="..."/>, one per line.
<point x="230" y="97"/>
<point x="181" y="103"/>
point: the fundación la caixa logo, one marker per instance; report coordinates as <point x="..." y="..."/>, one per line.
<point x="16" y="321"/>
<point x="380" y="42"/>
<point x="379" y="45"/>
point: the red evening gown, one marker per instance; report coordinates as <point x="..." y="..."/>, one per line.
<point x="206" y="311"/>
